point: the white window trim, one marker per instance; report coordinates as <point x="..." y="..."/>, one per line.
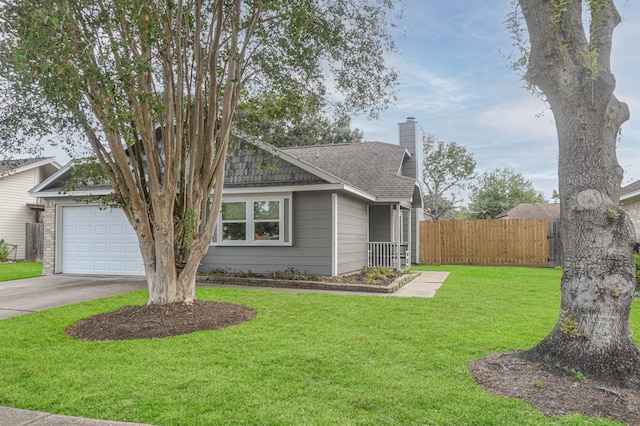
<point x="249" y="199"/>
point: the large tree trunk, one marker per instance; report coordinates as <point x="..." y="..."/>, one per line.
<point x="593" y="332"/>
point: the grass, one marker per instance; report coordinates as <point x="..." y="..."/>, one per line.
<point x="306" y="359"/>
<point x="19" y="270"/>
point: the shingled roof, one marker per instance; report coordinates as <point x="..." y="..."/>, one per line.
<point x="373" y="167"/>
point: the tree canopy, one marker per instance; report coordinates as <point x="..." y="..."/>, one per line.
<point x="152" y="87"/>
<point x="499" y="191"/>
<point x="311" y="123"/>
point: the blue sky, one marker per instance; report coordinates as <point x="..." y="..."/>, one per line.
<point x="455" y="81"/>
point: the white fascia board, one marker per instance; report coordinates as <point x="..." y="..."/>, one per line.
<point x="20" y="169"/>
<point x="404" y="203"/>
<point x="334" y="234"/>
<point x="299" y="188"/>
<point x="408" y="154"/>
<point x="630" y="195"/>
<point x="58" y="194"/>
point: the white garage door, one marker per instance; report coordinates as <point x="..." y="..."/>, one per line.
<point x="98" y="242"/>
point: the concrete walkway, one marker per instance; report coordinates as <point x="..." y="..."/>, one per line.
<point x="424" y="285"/>
<point x="34" y="294"/>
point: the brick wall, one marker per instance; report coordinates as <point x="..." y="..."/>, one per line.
<point x="49" y="253"/>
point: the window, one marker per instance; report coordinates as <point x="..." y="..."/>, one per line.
<point x="234" y="221"/>
<point x="255" y="221"/>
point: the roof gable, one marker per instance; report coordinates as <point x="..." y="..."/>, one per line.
<point x="250" y="164"/>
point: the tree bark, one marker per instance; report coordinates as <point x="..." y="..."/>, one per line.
<point x="593" y="332"/>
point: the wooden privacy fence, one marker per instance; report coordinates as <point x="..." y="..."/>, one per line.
<point x="34" y="242"/>
<point x="521" y="242"/>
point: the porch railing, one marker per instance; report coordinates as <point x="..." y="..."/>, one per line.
<point x="389" y="255"/>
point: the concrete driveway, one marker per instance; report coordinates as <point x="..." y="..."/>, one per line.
<point x="34" y="294"/>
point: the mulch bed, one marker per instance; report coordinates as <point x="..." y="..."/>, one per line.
<point x="555" y="392"/>
<point x="158" y="321"/>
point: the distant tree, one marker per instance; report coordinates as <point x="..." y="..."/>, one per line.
<point x="448" y="169"/>
<point x="499" y="191"/>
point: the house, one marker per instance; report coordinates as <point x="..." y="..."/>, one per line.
<point x="324" y="209"/>
<point x="17" y="209"/>
<point x="536" y="210"/>
<point x="630" y="203"/>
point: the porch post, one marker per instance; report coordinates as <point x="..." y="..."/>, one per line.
<point x="398" y="237"/>
<point x="409" y="251"/>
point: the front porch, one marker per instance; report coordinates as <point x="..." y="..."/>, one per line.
<point x="390" y="231"/>
<point x="389" y="255"/>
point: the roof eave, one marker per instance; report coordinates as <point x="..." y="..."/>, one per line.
<point x="630" y="195"/>
<point x="61" y="194"/>
<point x="43" y="162"/>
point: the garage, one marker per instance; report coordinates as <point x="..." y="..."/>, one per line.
<point x="97" y="241"/>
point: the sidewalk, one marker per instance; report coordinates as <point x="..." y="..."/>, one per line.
<point x="424" y="285"/>
<point x="18" y="417"/>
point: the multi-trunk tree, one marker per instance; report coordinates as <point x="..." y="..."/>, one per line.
<point x="570" y="65"/>
<point x="152" y="86"/>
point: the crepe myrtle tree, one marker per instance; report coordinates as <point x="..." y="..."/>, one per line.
<point x="152" y="87"/>
<point x="569" y="64"/>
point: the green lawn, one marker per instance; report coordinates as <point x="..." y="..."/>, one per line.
<point x="306" y="359"/>
<point x="19" y="270"/>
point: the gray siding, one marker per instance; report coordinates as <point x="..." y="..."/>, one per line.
<point x="310" y="252"/>
<point x="380" y="223"/>
<point x="352" y="234"/>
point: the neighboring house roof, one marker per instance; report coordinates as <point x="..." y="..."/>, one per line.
<point x="370" y="170"/>
<point x="630" y="191"/>
<point x="550" y="211"/>
<point x="10" y="167"/>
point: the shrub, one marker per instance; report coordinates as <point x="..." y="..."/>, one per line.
<point x="377" y="276"/>
<point x="4" y="251"/>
